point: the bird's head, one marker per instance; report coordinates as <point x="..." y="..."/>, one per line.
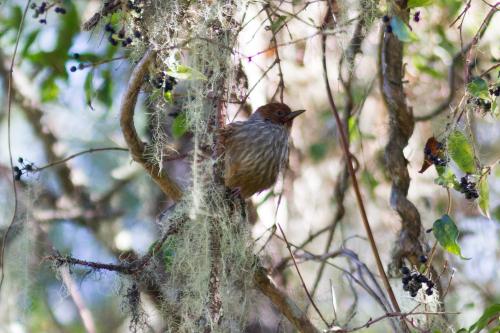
<point x="277" y="113"/>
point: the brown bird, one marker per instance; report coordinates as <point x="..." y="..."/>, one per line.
<point x="256" y="150"/>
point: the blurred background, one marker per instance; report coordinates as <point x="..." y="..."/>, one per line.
<point x="97" y="206"/>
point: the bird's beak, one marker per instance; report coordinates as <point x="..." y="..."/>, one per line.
<point x="294" y="114"/>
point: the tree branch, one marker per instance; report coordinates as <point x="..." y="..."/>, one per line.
<point x="136" y="146"/>
<point x="284" y="304"/>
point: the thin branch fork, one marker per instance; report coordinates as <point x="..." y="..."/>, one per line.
<point x="136" y="146"/>
<point x="301" y="278"/>
<point x="123" y="268"/>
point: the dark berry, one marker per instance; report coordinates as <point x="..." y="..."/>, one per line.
<point x="129" y="40"/>
<point x="81" y="66"/>
<point x="121" y="34"/>
<point x="43" y="21"/>
<point x="413" y="293"/>
<point x="405" y="270"/>
<point x="109" y="27"/>
<point x="76" y="55"/>
<point x="124" y="43"/>
<point x="406" y="279"/>
<point x="422" y="279"/>
<point x="137" y="34"/>
<point x="430" y="284"/>
<point x="423" y="259"/>
<point x="33" y="6"/>
<point x="112" y="41"/>
<point x="385" y="18"/>
<point x="16" y="169"/>
<point x="406" y="287"/>
<point x="29" y="167"/>
<point x="416" y="16"/>
<point x="18" y="175"/>
<point x="428" y="231"/>
<point x="72" y="68"/>
<point x="60" y="10"/>
<point x="20" y="160"/>
<point x="388" y="28"/>
<point x="429" y="292"/>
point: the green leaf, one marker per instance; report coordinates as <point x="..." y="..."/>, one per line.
<point x="419" y="3"/>
<point x="402" y="31"/>
<point x="105" y="91"/>
<point x="495" y="107"/>
<point x="29" y="41"/>
<point x="277" y="24"/>
<point x="49" y="91"/>
<point x="87" y="87"/>
<point x="168" y="252"/>
<point x="168" y="97"/>
<point x="446" y="178"/>
<point x="446" y="233"/>
<point x="179" y="126"/>
<point x="318" y="151"/>
<point x="461" y="152"/>
<point x="484" y="196"/>
<point x="485" y="319"/>
<point x="353" y="129"/>
<point x="479" y="88"/>
<point x="421" y="63"/>
<point x="370" y="181"/>
<point x="182" y="72"/>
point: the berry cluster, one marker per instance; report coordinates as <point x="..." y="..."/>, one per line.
<point x="468" y="187"/>
<point x="120" y="36"/>
<point x="24" y="168"/>
<point x="434" y="153"/>
<point x="388" y="27"/>
<point x="80" y="66"/>
<point x="481" y="103"/>
<point x="164" y="81"/>
<point x="413" y="281"/>
<point x="43" y="9"/>
<point x="135" y="7"/>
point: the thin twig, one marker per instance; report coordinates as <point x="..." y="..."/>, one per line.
<point x="392" y="315"/>
<point x="88" y="151"/>
<point x="9" y="144"/>
<point x="301" y="278"/>
<point x="127" y="267"/>
<point x="359" y="199"/>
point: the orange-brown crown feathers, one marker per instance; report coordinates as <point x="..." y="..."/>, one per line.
<point x="277" y="113"/>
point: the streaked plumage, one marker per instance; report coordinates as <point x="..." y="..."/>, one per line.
<point x="256" y="150"/>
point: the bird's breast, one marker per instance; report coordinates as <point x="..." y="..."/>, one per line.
<point x="255" y="152"/>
